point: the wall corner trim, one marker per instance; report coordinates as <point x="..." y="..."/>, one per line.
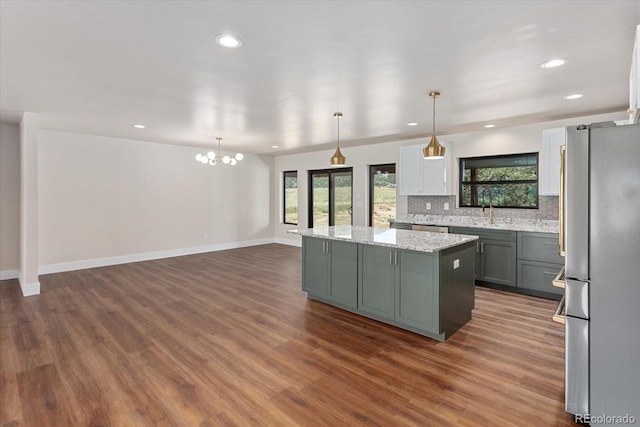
<point x="28" y="289"/>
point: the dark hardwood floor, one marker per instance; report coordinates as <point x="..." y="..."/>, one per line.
<point x="228" y="338"/>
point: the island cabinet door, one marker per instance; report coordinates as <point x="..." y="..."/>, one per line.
<point x="343" y="285"/>
<point x="417" y="291"/>
<point x="315" y="266"/>
<point x="376" y="280"/>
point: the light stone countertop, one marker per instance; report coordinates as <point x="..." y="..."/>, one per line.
<point x="422" y="241"/>
<point x="512" y="224"/>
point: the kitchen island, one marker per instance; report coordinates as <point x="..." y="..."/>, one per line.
<point x="415" y="280"/>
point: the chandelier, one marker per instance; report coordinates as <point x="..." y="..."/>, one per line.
<point x="213" y="159"/>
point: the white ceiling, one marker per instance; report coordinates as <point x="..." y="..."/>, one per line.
<point x="99" y="67"/>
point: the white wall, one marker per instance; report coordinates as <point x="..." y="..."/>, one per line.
<point x="359" y="158"/>
<point x="111" y="198"/>
<point x="519" y="139"/>
<point x="9" y="200"/>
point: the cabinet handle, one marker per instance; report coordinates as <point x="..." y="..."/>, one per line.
<point x="551" y="243"/>
<point x="551" y="273"/>
<point x="482" y="247"/>
<point x="390" y="257"/>
<point x="395" y="257"/>
<point x="477" y="247"/>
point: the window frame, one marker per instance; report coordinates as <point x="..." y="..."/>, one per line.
<point x="284" y="196"/>
<point x="462" y="183"/>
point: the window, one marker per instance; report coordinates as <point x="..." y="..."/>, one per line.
<point x="509" y="181"/>
<point x="382" y="195"/>
<point x="290" y="197"/>
<point x="330" y="197"/>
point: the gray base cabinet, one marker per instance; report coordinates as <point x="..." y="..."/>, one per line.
<point x="524" y="261"/>
<point x="428" y="293"/>
<point x="495" y="255"/>
<point x="327" y="270"/>
<point x="377" y="278"/>
<point x="539" y="262"/>
<point x="417" y="290"/>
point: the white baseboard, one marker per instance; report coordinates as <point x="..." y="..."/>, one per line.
<point x="28" y="289"/>
<point x="146" y="256"/>
<point x="289" y="242"/>
<point x="8" y="274"/>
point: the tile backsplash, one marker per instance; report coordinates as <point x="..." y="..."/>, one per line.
<point x="547" y="208"/>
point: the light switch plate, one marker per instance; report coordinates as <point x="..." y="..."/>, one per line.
<point x="428" y="206"/>
<point x="446" y="206"/>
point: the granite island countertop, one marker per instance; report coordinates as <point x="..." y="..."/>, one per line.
<point x="422" y="241"/>
<point x="511" y="224"/>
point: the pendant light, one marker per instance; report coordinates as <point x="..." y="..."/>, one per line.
<point x="433" y="150"/>
<point x="338" y="159"/>
<point x="213" y="159"/>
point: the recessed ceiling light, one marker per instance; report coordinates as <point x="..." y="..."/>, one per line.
<point x="139" y="126"/>
<point x="412" y="124"/>
<point x="489" y="126"/>
<point x="274" y="146"/>
<point x="553" y="63"/>
<point x="227" y="40"/>
<point x="574" y="96"/>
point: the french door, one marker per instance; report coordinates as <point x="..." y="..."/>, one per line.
<point x="330" y="197"/>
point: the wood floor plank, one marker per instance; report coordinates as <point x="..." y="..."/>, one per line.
<point x="228" y="338"/>
<point x="43" y="398"/>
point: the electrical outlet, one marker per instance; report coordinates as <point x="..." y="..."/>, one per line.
<point x="446" y="206"/>
<point x="456" y="263"/>
<point x="428" y="206"/>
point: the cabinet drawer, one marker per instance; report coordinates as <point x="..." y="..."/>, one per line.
<point x="483" y="233"/>
<point x="538" y="276"/>
<point x="542" y="247"/>
<point x="400" y="225"/>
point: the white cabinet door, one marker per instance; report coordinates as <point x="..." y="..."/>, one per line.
<point x="549" y="180"/>
<point x="434" y="176"/>
<point x="420" y="177"/>
<point x="411" y="178"/>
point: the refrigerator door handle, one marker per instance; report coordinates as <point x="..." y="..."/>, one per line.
<point x="557" y="316"/>
<point x="561" y="217"/>
<point x="559" y="281"/>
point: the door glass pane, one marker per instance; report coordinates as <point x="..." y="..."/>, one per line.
<point x="341" y="198"/>
<point x="320" y="199"/>
<point x="291" y="197"/>
<point x="383" y="195"/>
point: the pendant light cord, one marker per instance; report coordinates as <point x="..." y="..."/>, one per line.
<point x="338" y="119"/>
<point x="434" y="114"/>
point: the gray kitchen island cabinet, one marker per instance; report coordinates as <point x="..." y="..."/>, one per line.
<point x="419" y="281"/>
<point x="328" y="271"/>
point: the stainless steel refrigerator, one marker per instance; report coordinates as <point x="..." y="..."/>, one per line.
<point x="601" y="229"/>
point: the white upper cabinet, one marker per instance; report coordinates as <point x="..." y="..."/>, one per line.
<point x="549" y="181"/>
<point x="420" y="177"/>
